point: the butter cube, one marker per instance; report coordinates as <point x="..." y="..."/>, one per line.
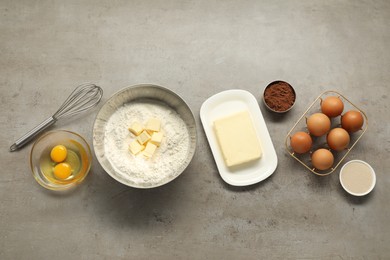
<point x="135" y="147"/>
<point x="156" y="138"/>
<point x="153" y="125"/>
<point x="143" y="137"/>
<point x="237" y="139"/>
<point x="136" y="128"/>
<point x="149" y="150"/>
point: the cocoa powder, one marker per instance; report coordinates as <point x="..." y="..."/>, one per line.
<point x="279" y="96"/>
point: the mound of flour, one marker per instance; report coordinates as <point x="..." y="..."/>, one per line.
<point x="168" y="157"/>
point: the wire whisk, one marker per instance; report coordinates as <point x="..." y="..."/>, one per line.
<point x="82" y="98"/>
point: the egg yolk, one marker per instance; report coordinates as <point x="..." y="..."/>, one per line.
<point x="58" y="153"/>
<point x="62" y="171"/>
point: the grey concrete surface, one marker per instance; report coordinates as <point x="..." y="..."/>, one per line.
<point x="197" y="49"/>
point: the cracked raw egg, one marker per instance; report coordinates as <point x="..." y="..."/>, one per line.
<point x="62" y="171"/>
<point x="58" y="153"/>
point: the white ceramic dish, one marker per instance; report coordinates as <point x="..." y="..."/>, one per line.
<point x="345" y="187"/>
<point x="226" y="103"/>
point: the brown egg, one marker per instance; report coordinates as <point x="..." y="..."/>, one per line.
<point x="332" y="106"/>
<point x="318" y="124"/>
<point x="352" y="121"/>
<point x="301" y="142"/>
<point x="338" y="139"/>
<point x="322" y="159"/>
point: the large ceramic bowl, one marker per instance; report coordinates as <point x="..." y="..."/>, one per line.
<point x="102" y="134"/>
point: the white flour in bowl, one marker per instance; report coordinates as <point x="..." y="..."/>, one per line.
<point x="167" y="159"/>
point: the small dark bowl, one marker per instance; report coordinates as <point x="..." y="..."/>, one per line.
<point x="279" y="85"/>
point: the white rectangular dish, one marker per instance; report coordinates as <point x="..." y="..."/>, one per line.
<point x="224" y="104"/>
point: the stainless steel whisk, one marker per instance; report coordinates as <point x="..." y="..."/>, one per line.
<point x="81" y="99"/>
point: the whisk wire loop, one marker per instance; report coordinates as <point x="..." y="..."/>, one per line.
<point x="82" y="98"/>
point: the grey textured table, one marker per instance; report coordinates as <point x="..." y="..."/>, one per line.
<point x="197" y="49"/>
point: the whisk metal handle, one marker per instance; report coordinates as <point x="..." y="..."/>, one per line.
<point x="32" y="133"/>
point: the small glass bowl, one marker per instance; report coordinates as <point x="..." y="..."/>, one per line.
<point x="41" y="164"/>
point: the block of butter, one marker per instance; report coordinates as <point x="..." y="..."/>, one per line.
<point x="135" y="147"/>
<point x="149" y="150"/>
<point x="136" y="128"/>
<point x="153" y="125"/>
<point x="143" y="137"/>
<point x="237" y="139"/>
<point x="156" y="138"/>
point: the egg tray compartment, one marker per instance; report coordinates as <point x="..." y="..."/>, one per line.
<point x="320" y="142"/>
